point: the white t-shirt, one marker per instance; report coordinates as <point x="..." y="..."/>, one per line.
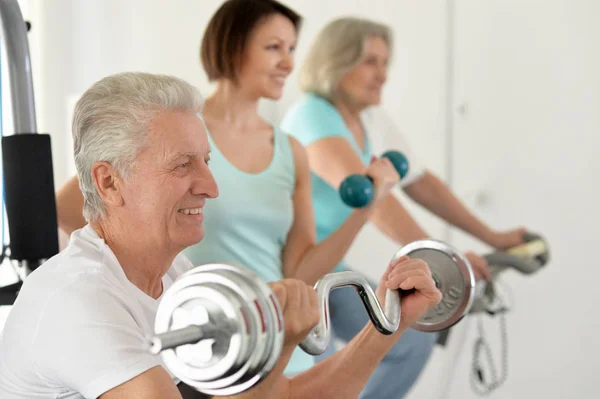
<point x="78" y="327"/>
<point x="384" y="135"/>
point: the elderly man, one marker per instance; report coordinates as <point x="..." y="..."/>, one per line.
<point x="79" y="324"/>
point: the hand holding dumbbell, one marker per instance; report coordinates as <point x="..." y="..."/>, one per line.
<point x="358" y="191"/>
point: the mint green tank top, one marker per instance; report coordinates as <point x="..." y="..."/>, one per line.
<point x="248" y="223"/>
<point x="310" y="119"/>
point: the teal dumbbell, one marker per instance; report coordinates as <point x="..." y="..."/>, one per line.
<point x="357" y="190"/>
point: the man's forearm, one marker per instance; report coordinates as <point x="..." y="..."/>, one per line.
<point x="276" y="385"/>
<point x="392" y="219"/>
<point x="434" y="194"/>
<point x="344" y="374"/>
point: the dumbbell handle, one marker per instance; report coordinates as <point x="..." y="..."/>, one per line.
<point x="398" y="160"/>
<point x="386" y="321"/>
<point x="357" y="190"/>
<point x="183" y="336"/>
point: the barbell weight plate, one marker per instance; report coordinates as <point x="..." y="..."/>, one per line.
<point x="269" y="309"/>
<point x="201" y="376"/>
<point x="199" y="303"/>
<point x="269" y="342"/>
<point x="453" y="276"/>
<point x="231" y="383"/>
<point x="257" y="310"/>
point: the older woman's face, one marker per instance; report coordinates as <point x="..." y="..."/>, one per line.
<point x="364" y="82"/>
<point x="168" y="189"/>
<point x="268" y="58"/>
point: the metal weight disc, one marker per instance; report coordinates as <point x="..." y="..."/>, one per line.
<point x="453" y="276"/>
<point x="190" y="301"/>
<point x="270" y="333"/>
<point x="251" y="322"/>
<point x="263" y="321"/>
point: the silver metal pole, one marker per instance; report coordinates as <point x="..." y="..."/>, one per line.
<point x="19" y="67"/>
<point x="21" y="82"/>
<point x="186" y="336"/>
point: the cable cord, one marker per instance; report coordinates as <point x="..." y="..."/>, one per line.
<point x="484" y="374"/>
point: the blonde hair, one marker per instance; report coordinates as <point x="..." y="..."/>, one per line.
<point x="338" y="47"/>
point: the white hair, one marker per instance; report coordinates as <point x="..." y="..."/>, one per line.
<point x="111" y="123"/>
<point x="338" y="47"/>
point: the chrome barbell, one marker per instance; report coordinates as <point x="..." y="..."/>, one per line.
<point x="219" y="327"/>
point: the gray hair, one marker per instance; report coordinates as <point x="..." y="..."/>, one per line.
<point x="338" y="48"/>
<point x="111" y="123"/>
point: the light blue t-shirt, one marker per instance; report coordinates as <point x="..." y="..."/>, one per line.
<point x="248" y="223"/>
<point x="310" y="119"/>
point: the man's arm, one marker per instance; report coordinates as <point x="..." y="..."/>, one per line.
<point x="300" y="315"/>
<point x="276" y="385"/>
<point x="152" y="384"/>
<point x="344" y="374"/>
<point x="300" y="310"/>
<point x="272" y="387"/>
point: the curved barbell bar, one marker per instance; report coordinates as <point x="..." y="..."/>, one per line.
<point x="386" y="321"/>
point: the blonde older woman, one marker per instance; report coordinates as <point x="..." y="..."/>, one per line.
<point x="343" y="77"/>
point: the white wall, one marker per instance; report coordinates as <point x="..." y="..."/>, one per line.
<point x="78" y="42"/>
<point x="527" y="74"/>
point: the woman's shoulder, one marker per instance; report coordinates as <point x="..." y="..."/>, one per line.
<point x="309" y="108"/>
<point x="312" y="117"/>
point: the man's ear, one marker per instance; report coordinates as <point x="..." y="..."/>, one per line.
<point x="108" y="183"/>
